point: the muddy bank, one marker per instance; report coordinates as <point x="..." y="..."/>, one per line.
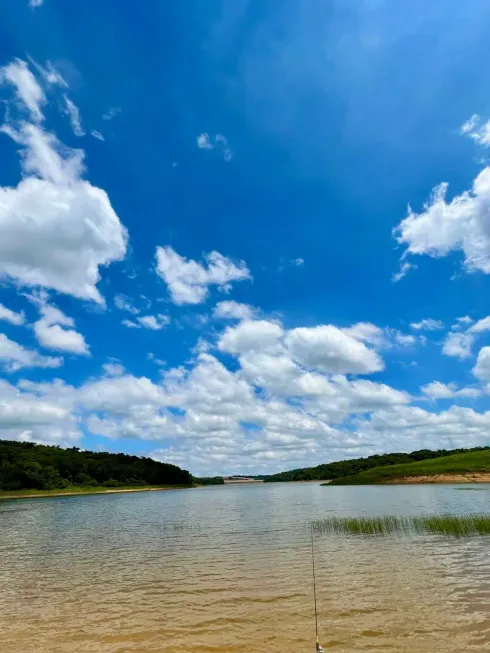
<point x="470" y="477"/>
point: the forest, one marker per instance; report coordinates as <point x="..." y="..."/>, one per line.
<point x="29" y="466"/>
<point x="356" y="465"/>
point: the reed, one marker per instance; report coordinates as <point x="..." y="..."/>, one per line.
<point x="449" y="525"/>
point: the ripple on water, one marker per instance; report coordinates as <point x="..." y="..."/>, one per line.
<point x="229" y="569"/>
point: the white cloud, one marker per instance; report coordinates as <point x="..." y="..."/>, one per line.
<point x="250" y="336"/>
<point x="28" y="91"/>
<point x="298" y="262"/>
<point x="220" y="142"/>
<point x="476" y="130"/>
<point x="123" y="303"/>
<point x="457" y="225"/>
<point x="11" y="316"/>
<point x="130" y="324"/>
<point x="50" y="74"/>
<point x="26" y="415"/>
<point x="203" y="142"/>
<point x="367" y="332"/>
<point x="231" y="310"/>
<point x="482" y="367"/>
<point x="51" y="334"/>
<point x="331" y="351"/>
<point x="154" y="322"/>
<point x="96" y="134"/>
<point x="438" y="390"/>
<point x="462" y="322"/>
<point x="481" y="326"/>
<point x="427" y="325"/>
<point x="405" y="268"/>
<point x="74" y="114"/>
<point x="113" y="369"/>
<point x="14" y="356"/>
<point x="35" y="3"/>
<point x="188" y="280"/>
<point x="458" y="345"/>
<point x="56" y="229"/>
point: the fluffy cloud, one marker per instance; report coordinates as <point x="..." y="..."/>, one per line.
<point x="482" y="367"/>
<point x="250" y="336"/>
<point x="481" y="326"/>
<point x="27" y="415"/>
<point x="154" y="322"/>
<point x="427" y="325"/>
<point x="188" y="281"/>
<point x="231" y="310"/>
<point x="437" y="390"/>
<point x="51" y="332"/>
<point x="456" y="225"/>
<point x="11" y="316"/>
<point x="56" y="229"/>
<point x="458" y="345"/>
<point x="14" y="356"/>
<point x="332" y="351"/>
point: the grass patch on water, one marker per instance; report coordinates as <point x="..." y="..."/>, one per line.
<point x="454" y="526"/>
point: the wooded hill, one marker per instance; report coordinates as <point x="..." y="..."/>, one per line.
<point x="344" y="468"/>
<point x="28" y="466"/>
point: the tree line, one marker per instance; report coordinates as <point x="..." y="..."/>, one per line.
<point x="343" y="468"/>
<point x="29" y="466"/>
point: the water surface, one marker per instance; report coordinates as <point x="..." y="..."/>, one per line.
<point x="229" y="569"/>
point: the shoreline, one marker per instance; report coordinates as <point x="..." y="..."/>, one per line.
<point x="73" y="492"/>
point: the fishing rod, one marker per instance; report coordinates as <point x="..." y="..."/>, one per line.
<point x="319" y="649"/>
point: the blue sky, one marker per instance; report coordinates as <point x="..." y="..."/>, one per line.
<point x="224" y="236"/>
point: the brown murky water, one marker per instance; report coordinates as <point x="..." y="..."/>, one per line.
<point x="229" y="569"/>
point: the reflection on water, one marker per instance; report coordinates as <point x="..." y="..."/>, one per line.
<point x="229" y="569"/>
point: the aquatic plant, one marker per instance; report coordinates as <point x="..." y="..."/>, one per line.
<point x="450" y="525"/>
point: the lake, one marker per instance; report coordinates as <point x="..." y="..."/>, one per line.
<point x="229" y="569"/>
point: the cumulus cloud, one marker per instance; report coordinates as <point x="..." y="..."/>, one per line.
<point x="446" y="226"/>
<point x="154" y="322"/>
<point x="427" y="325"/>
<point x="188" y="281"/>
<point x="231" y="310"/>
<point x="458" y="345"/>
<point x="332" y="351"/>
<point x="113" y="369"/>
<point x="14" y="356"/>
<point x="56" y="229"/>
<point x="481" y="326"/>
<point x="11" y="316"/>
<point x="438" y="390"/>
<point x="36" y="3"/>
<point x="482" y="367"/>
<point x="51" y="332"/>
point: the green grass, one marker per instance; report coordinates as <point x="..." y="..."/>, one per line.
<point x="464" y="463"/>
<point x="454" y="526"/>
<point x="75" y="490"/>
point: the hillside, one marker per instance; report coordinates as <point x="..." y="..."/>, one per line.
<point x="473" y="466"/>
<point x="344" y="468"/>
<point x="28" y="466"/>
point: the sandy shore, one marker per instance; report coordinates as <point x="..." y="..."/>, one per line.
<point x="74" y="493"/>
<point x="470" y="477"/>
